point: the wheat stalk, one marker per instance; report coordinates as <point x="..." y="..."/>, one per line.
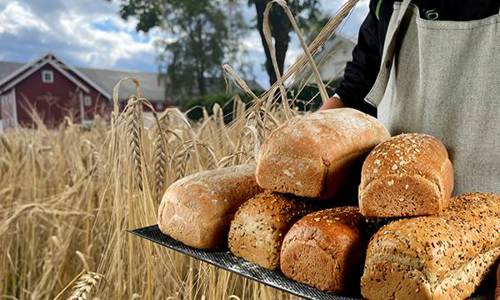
<point x="83" y="287"/>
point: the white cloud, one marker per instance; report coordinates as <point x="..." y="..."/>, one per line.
<point x="85" y="33"/>
<point x="90" y="33"/>
<point x="252" y="41"/>
<point x="16" y="16"/>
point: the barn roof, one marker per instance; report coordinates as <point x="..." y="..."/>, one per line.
<point x="8" y="67"/>
<point x="105" y="80"/>
<point x="12" y="79"/>
<point x="151" y="87"/>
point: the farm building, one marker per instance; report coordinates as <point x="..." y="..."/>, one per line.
<point x="55" y="90"/>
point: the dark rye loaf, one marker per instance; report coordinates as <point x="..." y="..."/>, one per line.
<point x="435" y="257"/>
<point x="408" y="175"/>
<point x="325" y="250"/>
<point x="197" y="210"/>
<point x="260" y="224"/>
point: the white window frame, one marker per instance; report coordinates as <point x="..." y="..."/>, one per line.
<point x="50" y="75"/>
<point x="87" y="100"/>
<point x="82" y="111"/>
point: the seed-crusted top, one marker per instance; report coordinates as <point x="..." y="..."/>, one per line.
<point x="328" y="227"/>
<point x="259" y="226"/>
<point x="435" y="245"/>
<point x="347" y="215"/>
<point x="277" y="209"/>
<point x="413" y="154"/>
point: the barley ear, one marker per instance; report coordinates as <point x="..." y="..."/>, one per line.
<point x="160" y="162"/>
<point x="84" y="285"/>
<point x="134" y="125"/>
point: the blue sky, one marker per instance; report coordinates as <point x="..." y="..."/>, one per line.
<point x="89" y="33"/>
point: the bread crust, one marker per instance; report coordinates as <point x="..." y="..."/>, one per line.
<point x="435" y="257"/>
<point x="325" y="249"/>
<point x="197" y="210"/>
<point x="408" y="175"/>
<point x="310" y="155"/>
<point x="260" y="224"/>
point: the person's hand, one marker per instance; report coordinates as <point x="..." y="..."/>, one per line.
<point x="333" y="102"/>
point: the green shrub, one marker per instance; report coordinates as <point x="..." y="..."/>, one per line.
<point x="225" y="100"/>
<point x="307" y="100"/>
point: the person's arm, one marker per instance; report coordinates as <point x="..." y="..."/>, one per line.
<point x="361" y="72"/>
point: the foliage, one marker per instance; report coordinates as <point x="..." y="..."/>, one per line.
<point x="197" y="105"/>
<point x="201" y="35"/>
<point x="308" y="98"/>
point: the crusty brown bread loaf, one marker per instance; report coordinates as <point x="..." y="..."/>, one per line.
<point x="325" y="249"/>
<point x="408" y="175"/>
<point x="260" y="225"/>
<point x="435" y="257"/>
<point x="197" y="210"/>
<point x="311" y="155"/>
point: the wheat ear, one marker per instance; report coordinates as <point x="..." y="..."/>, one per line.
<point x="134" y="125"/>
<point x="160" y="161"/>
<point x="83" y="287"/>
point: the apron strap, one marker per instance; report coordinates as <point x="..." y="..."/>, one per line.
<point x="377" y="92"/>
<point x="402" y="10"/>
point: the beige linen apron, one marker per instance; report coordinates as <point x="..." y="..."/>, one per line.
<point x="443" y="78"/>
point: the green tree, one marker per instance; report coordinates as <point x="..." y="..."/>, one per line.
<point x="200" y="37"/>
<point x="307" y="13"/>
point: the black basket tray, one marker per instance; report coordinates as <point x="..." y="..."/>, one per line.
<point x="229" y="262"/>
<point x="275" y="279"/>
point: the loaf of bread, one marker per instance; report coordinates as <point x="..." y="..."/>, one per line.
<point x="259" y="227"/>
<point x="325" y="250"/>
<point x="435" y="257"/>
<point x="312" y="155"/>
<point x="197" y="210"/>
<point x="408" y="175"/>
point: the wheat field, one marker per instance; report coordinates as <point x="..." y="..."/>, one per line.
<point x="68" y="196"/>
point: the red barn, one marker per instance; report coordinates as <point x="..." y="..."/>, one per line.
<point x="55" y="90"/>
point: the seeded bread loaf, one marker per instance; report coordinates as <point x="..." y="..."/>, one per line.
<point x="260" y="225"/>
<point x="325" y="250"/>
<point x="312" y="155"/>
<point x="435" y="257"/>
<point x="197" y="210"/>
<point x="408" y="175"/>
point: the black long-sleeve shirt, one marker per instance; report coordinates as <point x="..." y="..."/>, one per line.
<point x="361" y="72"/>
